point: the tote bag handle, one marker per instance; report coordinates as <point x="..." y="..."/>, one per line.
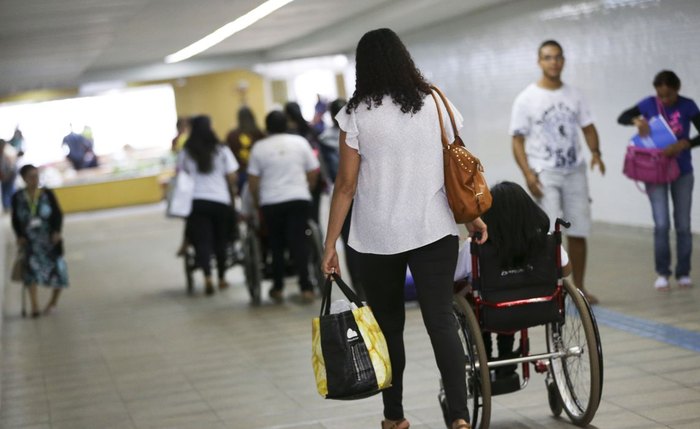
<point x="347" y="291"/>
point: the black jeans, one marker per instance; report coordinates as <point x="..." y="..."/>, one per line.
<point x="433" y="268"/>
<point x="208" y="229"/>
<point x="286" y="225"/>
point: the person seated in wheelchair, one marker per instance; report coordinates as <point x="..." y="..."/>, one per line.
<point x="518" y="230"/>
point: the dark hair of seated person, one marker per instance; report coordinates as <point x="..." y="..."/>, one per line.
<point x="518" y="227"/>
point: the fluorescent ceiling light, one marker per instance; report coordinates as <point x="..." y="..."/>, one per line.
<point x="228" y="30"/>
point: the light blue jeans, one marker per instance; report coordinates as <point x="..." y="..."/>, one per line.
<point x="681" y="194"/>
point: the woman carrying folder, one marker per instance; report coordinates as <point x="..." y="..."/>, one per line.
<point x="679" y="112"/>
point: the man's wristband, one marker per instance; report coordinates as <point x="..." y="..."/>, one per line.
<point x="596" y="152"/>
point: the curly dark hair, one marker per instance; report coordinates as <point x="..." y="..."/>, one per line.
<point x="518" y="227"/>
<point x="202" y="143"/>
<point x="384" y="67"/>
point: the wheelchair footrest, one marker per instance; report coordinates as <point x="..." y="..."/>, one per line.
<point x="503" y="384"/>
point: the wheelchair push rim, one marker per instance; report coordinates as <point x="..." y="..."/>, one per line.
<point x="578" y="375"/>
<point x="477" y="370"/>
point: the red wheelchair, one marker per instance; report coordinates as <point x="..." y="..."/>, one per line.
<point x="512" y="301"/>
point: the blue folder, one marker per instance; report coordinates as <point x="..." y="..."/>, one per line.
<point x="660" y="135"/>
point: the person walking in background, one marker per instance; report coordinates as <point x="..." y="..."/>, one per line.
<point x="320" y="109"/>
<point x="391" y="163"/>
<point x="80" y="151"/>
<point x="329" y="141"/>
<point x="17" y="141"/>
<point x="679" y="112"/>
<point x="241" y="140"/>
<point x="296" y="124"/>
<point x="8" y="183"/>
<point x="183" y="130"/>
<point x="213" y="168"/>
<point x="8" y="173"/>
<point x="37" y="221"/>
<point x="281" y="171"/>
<point x="544" y="126"/>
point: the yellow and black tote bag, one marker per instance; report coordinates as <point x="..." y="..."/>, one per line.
<point x="349" y="353"/>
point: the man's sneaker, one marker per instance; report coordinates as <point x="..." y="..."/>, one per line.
<point x="685" y="282"/>
<point x="661" y="283"/>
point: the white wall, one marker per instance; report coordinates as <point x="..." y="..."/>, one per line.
<point x="613" y="50"/>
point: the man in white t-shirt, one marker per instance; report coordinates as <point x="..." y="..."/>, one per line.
<point x="281" y="171"/>
<point x="545" y="123"/>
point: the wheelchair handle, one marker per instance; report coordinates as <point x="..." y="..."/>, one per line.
<point x="561" y="222"/>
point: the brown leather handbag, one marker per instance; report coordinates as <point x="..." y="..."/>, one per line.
<point x="467" y="192"/>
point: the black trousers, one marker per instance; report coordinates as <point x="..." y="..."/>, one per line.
<point x="433" y="267"/>
<point x="208" y="229"/>
<point x="286" y="224"/>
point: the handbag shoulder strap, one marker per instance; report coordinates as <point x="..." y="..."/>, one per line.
<point x="443" y="134"/>
<point x="449" y="112"/>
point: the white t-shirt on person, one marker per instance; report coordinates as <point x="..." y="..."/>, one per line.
<point x="211" y="186"/>
<point x="400" y="202"/>
<point x="550" y="121"/>
<point x="282" y="162"/>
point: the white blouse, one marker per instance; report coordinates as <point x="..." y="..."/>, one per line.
<point x="211" y="186"/>
<point x="400" y="202"/>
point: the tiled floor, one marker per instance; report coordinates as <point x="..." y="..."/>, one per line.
<point x="128" y="349"/>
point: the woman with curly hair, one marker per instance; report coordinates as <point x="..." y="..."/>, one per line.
<point x="391" y="164"/>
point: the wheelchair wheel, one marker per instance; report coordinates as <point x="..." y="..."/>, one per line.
<point x="252" y="265"/>
<point x="315" y="242"/>
<point x="578" y="376"/>
<point x="478" y="378"/>
<point x="188" y="262"/>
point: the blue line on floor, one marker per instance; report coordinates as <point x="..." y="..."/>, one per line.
<point x="649" y="329"/>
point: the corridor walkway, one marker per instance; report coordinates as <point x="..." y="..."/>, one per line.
<point x="129" y="349"/>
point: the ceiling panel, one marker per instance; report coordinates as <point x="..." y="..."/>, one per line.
<point x="64" y="43"/>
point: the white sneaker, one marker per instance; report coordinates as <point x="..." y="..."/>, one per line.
<point x="685" y="281"/>
<point x="661" y="283"/>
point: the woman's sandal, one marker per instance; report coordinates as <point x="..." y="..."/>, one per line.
<point x="395" y="424"/>
<point x="461" y="426"/>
